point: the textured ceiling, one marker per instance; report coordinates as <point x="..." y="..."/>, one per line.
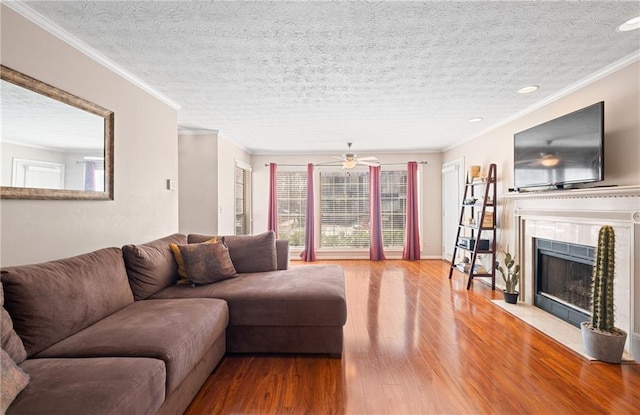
<point x="35" y="120"/>
<point x="279" y="77"/>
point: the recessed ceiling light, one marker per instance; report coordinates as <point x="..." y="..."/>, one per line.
<point x="630" y="24"/>
<point x="528" y="89"/>
<point x="477" y="119"/>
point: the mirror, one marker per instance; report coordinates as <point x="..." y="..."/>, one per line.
<point x="54" y="145"/>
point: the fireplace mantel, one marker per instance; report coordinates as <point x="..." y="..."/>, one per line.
<point x="575" y="216"/>
<point x="591" y="192"/>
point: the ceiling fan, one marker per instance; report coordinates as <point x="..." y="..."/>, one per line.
<point x="351" y="160"/>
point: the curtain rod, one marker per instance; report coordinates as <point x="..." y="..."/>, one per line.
<point x="336" y="164"/>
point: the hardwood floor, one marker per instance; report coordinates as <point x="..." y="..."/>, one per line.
<point x="416" y="342"/>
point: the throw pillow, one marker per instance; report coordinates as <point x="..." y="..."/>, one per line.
<point x="151" y="266"/>
<point x="182" y="271"/>
<point x="207" y="263"/>
<point x="249" y="253"/>
<point x="11" y="342"/>
<point x="14" y="380"/>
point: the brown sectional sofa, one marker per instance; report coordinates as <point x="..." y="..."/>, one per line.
<point x="110" y="332"/>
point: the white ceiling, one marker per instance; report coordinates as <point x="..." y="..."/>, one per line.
<point x="278" y="77"/>
<point x="34" y="120"/>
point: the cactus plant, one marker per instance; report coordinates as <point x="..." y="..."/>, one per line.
<point x="601" y="339"/>
<point x="511" y="275"/>
<point x="602" y="282"/>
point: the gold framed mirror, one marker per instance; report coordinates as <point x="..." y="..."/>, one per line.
<point x="54" y="145"/>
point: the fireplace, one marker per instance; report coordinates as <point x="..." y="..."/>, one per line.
<point x="575" y="217"/>
<point x="563" y="279"/>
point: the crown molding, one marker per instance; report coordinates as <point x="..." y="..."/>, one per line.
<point x="607" y="70"/>
<point x="55" y="30"/>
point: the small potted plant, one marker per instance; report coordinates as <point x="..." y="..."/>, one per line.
<point x="511" y="277"/>
<point x="601" y="339"/>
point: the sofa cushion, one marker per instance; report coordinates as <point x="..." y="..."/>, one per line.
<point x="310" y="295"/>
<point x="11" y="343"/>
<point x="14" y="380"/>
<point x="53" y="300"/>
<point x="179" y="332"/>
<point x="207" y="263"/>
<point x="103" y="386"/>
<point x="151" y="266"/>
<point x="249" y="253"/>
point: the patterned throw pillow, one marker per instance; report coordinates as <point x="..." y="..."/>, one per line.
<point x="14" y="380"/>
<point x="207" y="263"/>
<point x="11" y="342"/>
<point x="182" y="271"/>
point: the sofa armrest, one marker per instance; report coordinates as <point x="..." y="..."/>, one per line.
<point x="282" y="253"/>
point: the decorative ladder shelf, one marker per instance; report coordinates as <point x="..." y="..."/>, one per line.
<point x="477" y="219"/>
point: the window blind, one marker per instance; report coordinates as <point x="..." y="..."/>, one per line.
<point x="344" y="209"/>
<point x="394" y="207"/>
<point x="243" y="199"/>
<point x="292" y="196"/>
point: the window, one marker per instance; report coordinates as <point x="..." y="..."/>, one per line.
<point x="94" y="174"/>
<point x="344" y="209"/>
<point x="393" y="189"/>
<point x="243" y="198"/>
<point x="292" y="195"/>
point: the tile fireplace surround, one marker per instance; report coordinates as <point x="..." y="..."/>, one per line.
<point x="575" y="216"/>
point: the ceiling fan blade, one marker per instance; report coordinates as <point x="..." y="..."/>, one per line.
<point x="370" y="158"/>
<point x="368" y="163"/>
<point x="337" y="158"/>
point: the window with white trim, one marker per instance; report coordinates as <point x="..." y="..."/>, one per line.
<point x="393" y="189"/>
<point x="242" y="198"/>
<point x="344" y="209"/>
<point x="292" y="196"/>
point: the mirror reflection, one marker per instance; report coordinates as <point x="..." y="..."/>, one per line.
<point x="54" y="145"/>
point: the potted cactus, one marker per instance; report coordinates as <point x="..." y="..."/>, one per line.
<point x="601" y="339"/>
<point x="511" y="277"/>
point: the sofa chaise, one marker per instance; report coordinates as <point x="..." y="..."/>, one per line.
<point x="111" y="331"/>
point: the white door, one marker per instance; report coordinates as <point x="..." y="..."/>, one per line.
<point x="37" y="174"/>
<point x="452" y="185"/>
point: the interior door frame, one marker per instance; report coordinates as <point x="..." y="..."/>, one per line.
<point x="451" y="216"/>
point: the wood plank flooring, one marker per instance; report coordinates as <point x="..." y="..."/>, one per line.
<point x="416" y="342"/>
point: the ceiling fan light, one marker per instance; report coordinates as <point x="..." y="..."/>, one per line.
<point x="349" y="164"/>
<point x="549" y="160"/>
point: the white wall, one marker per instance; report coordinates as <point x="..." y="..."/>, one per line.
<point x="72" y="160"/>
<point x="206" y="185"/>
<point x="228" y="153"/>
<point x="621" y="93"/>
<point x="198" y="182"/>
<point x="145" y="157"/>
<point x="431" y="228"/>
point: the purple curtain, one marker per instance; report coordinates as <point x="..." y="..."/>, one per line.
<point x="412" y="232"/>
<point x="272" y="211"/>
<point x="309" y="253"/>
<point x="376" y="247"/>
<point x="89" y="175"/>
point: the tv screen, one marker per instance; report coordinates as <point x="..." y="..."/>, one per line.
<point x="566" y="150"/>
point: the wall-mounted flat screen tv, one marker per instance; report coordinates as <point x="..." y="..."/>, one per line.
<point x="566" y="150"/>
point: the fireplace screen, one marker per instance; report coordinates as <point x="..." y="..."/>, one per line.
<point x="566" y="280"/>
<point x="563" y="279"/>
